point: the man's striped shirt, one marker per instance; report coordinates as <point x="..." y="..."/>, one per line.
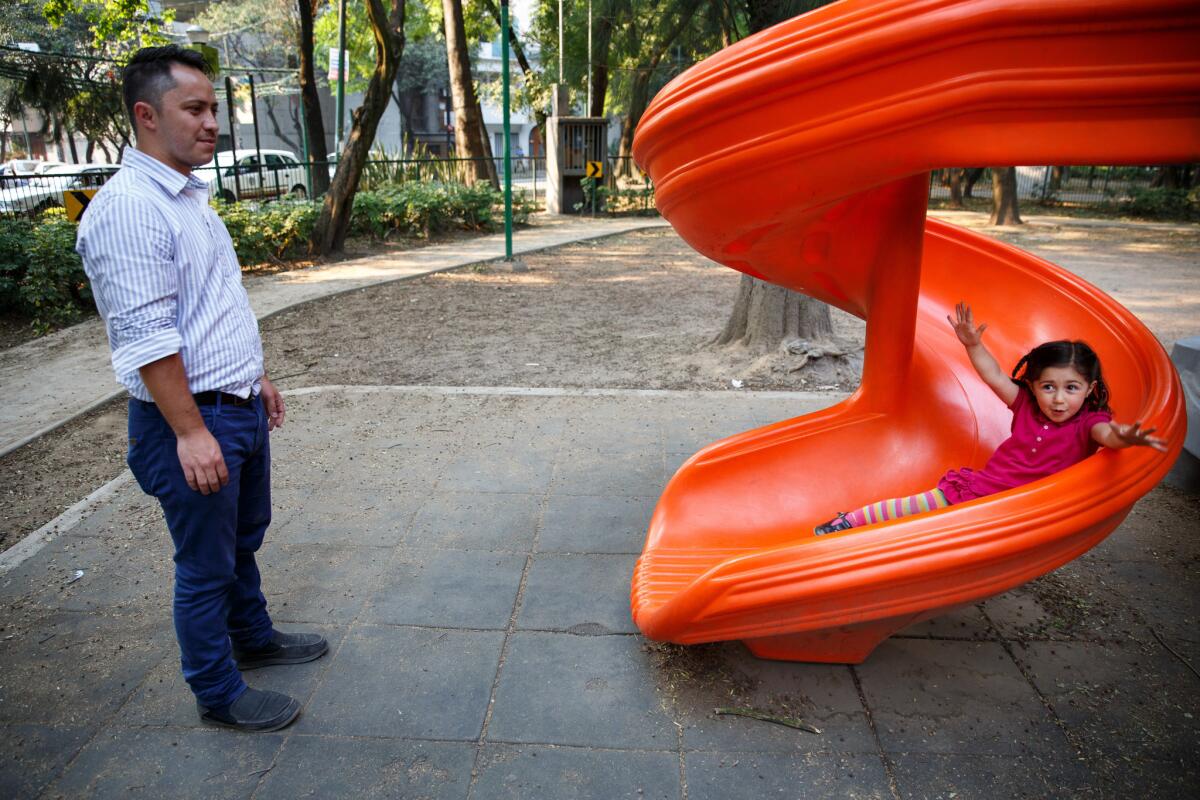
<point x="166" y="280"/>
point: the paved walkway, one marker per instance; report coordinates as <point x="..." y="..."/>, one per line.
<point x="468" y="553"/>
<point x="49" y="381"/>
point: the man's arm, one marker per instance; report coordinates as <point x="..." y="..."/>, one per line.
<point x="199" y="454"/>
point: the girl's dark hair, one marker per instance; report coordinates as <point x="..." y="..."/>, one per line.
<point x="1077" y="355"/>
<point x="147" y="75"/>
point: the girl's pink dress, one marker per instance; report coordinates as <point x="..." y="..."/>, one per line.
<point x="1037" y="448"/>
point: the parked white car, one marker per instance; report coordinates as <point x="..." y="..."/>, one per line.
<point x="241" y="177"/>
<point x="46" y="187"/>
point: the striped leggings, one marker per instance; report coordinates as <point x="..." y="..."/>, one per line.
<point x="897" y="507"/>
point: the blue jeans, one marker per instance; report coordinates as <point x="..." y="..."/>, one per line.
<point x="217" y="594"/>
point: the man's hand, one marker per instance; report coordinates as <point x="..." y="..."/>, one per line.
<point x="273" y="402"/>
<point x="202" y="462"/>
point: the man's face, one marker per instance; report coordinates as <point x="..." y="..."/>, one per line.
<point x="184" y="128"/>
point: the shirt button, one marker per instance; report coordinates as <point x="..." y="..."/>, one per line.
<point x="1039" y="438"/>
<point x="1045" y="427"/>
<point x="1034" y="450"/>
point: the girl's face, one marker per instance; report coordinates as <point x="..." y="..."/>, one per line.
<point x="1060" y="392"/>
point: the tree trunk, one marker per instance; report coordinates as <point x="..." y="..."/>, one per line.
<point x="599" y="65"/>
<point x="329" y="234"/>
<point x="311" y="102"/>
<point x="1004" y="197"/>
<point x="973" y="176"/>
<point x="468" y="121"/>
<point x="1056" y="178"/>
<point x="765" y="316"/>
<point x="956" y="195"/>
<point x="514" y="43"/>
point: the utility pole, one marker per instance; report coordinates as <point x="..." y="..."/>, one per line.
<point x="560" y="42"/>
<point x="341" y="80"/>
<point x="589" y="64"/>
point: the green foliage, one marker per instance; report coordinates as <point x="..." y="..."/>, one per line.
<point x="424" y="209"/>
<point x="269" y="232"/>
<point x="119" y="22"/>
<point x="1159" y="203"/>
<point x="41" y="275"/>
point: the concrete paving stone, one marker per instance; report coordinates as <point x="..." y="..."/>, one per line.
<point x="685" y="433"/>
<point x="318" y="583"/>
<point x="595" y="524"/>
<point x="560" y="773"/>
<point x="203" y="764"/>
<point x="499" y="469"/>
<point x="476" y="521"/>
<point x="117" y="574"/>
<point x="406" y="683"/>
<point x="753" y="776"/>
<point x="675" y="461"/>
<point x="71" y="669"/>
<point x="164" y="699"/>
<point x="927" y="776"/>
<point x="355" y="516"/>
<point x="578" y="593"/>
<point x="959" y="623"/>
<point x="1122" y="700"/>
<point x="698" y="679"/>
<point x="34" y="755"/>
<point x="1077" y="602"/>
<point x="1166" y="596"/>
<point x="631" y="474"/>
<point x="395" y="469"/>
<point x="369" y="769"/>
<point x="127" y="514"/>
<point x="934" y="696"/>
<point x="1152" y="531"/>
<point x="447" y="589"/>
<point x="590" y="691"/>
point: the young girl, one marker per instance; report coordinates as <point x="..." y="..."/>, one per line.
<point x="1060" y="417"/>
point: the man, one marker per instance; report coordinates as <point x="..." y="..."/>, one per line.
<point x="185" y="344"/>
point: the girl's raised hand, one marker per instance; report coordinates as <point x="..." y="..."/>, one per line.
<point x="1134" y="435"/>
<point x="964" y="326"/>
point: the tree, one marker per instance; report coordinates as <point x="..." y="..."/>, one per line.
<point x="767" y="317"/>
<point x="387" y="26"/>
<point x="310" y="101"/>
<point x="1004" y="197"/>
<point x="470" y="140"/>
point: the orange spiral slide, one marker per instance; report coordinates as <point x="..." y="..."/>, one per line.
<point x="801" y="155"/>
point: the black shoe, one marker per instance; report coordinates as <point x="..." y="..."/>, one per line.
<point x="285" y="648"/>
<point x="256" y="711"/>
<point x="838" y="523"/>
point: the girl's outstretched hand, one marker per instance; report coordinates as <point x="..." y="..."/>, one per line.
<point x="964" y="326"/>
<point x="1133" y="435"/>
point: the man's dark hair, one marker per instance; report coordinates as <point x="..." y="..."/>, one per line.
<point x="147" y="76"/>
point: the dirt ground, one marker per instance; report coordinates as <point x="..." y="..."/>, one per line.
<point x="634" y="311"/>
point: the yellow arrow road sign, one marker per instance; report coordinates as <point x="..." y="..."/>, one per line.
<point x="595" y="169"/>
<point x="76" y="201"/>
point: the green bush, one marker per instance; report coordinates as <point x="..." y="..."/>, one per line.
<point x="1162" y="203"/>
<point x="53" y="290"/>
<point x="423" y="209"/>
<point x="272" y="231"/>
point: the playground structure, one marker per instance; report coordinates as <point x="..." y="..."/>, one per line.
<point x="801" y="156"/>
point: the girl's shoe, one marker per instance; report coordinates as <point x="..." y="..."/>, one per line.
<point x="838" y="523"/>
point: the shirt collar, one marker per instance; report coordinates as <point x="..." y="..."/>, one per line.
<point x="171" y="180"/>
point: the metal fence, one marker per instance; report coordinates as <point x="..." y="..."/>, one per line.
<point x="1082" y="186"/>
<point x="626" y="187"/>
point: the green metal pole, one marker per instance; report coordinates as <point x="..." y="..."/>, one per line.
<point x="507" y="134"/>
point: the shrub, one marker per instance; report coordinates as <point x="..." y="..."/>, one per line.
<point x="268" y="232"/>
<point x="54" y="290"/>
<point x="1160" y="203"/>
<point x="423" y="209"/>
